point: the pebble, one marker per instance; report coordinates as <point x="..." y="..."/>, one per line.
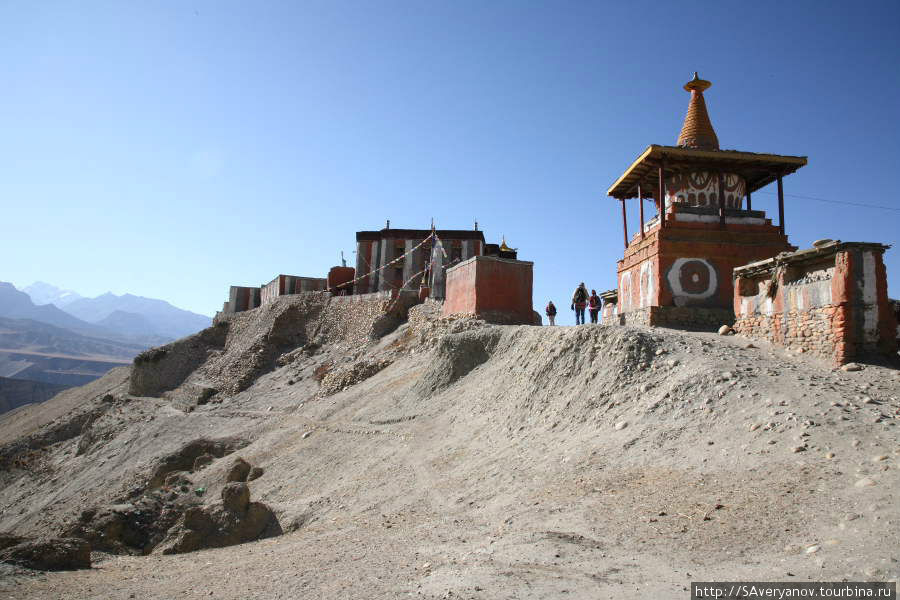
<point x="852" y="367"/>
<point x="798" y="448"/>
<point x="754" y="427"/>
<point x="307" y="434"/>
<point x="621" y="425"/>
<point x="829" y="455"/>
<point x="812" y="549"/>
<point x="864" y="482"/>
<point x="879" y="458"/>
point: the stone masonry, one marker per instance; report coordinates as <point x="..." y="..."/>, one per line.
<point x="830" y="301"/>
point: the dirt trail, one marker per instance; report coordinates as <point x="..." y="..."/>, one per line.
<point x="507" y="462"/>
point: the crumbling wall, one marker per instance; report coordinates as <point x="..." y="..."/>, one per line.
<point x="829" y="301"/>
<point x="158" y="370"/>
<point x="361" y="318"/>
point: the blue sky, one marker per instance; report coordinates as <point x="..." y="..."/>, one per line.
<point x="171" y="149"/>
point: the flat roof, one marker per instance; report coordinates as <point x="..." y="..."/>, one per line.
<point x="420" y="234"/>
<point x="825" y="248"/>
<point x="759" y="170"/>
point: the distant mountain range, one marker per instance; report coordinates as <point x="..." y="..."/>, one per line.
<point x="44" y="293"/>
<point x="57" y="336"/>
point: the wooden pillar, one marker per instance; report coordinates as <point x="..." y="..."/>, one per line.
<point x="624" y="222"/>
<point x="749" y="200"/>
<point x="780" y="205"/>
<point x="720" y="196"/>
<point x="641" y="201"/>
<point x="662" y="192"/>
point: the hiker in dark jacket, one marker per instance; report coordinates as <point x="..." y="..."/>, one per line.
<point x="551" y="312"/>
<point x="594" y="305"/>
<point x="579" y="300"/>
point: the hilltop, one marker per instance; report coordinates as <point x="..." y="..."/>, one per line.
<point x="449" y="458"/>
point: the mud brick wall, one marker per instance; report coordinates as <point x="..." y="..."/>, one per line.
<point x="498" y="290"/>
<point x="829" y="301"/>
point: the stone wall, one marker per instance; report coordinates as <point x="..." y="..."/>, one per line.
<point x="830" y="301"/>
<point x="676" y="317"/>
<point x="361" y="318"/>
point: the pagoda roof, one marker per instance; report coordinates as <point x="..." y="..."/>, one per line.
<point x="759" y="170"/>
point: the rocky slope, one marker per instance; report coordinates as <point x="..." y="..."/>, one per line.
<point x="454" y="459"/>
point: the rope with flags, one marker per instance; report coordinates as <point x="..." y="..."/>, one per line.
<point x="396" y="260"/>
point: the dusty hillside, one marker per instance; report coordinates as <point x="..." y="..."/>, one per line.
<point x="453" y="459"/>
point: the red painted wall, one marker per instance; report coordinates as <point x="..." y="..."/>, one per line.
<point x="499" y="289"/>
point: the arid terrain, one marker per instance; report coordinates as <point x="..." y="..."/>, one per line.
<point x="455" y="459"/>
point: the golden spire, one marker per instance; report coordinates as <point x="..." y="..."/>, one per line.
<point x="503" y="245"/>
<point x="697" y="131"/>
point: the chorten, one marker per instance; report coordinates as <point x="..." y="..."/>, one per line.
<point x="677" y="269"/>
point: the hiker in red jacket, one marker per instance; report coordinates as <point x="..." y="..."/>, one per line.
<point x="594" y="305"/>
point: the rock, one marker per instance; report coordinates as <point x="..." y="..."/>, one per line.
<point x="236" y="497"/>
<point x="621" y="425"/>
<point x="798" y="449"/>
<point x="753" y="427"/>
<point x="197" y="519"/>
<point x="879" y="458"/>
<point x="49" y="554"/>
<point x="239" y="470"/>
<point x="812" y="549"/>
<point x="203" y="461"/>
<point x="306" y="435"/>
<point x="176" y="479"/>
<point x="7" y="540"/>
<point x="864" y="482"/>
<point x="236" y="521"/>
<point x="255" y="473"/>
<point x="725" y="330"/>
<point x="852" y="367"/>
<point x="829" y="455"/>
<point x="749" y="345"/>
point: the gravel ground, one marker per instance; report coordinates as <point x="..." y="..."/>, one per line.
<point x="503" y="462"/>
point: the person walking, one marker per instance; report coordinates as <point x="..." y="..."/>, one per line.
<point x="594" y="305"/>
<point x="551" y="312"/>
<point x="579" y="300"/>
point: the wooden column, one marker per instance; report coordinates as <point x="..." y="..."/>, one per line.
<point x="780" y="205"/>
<point x="624" y="222"/>
<point x="641" y="201"/>
<point x="662" y="192"/>
<point x="749" y="200"/>
<point x="721" y="198"/>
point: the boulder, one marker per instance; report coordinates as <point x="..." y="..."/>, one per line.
<point x="202" y="461"/>
<point x="725" y="330"/>
<point x="239" y="470"/>
<point x="235" y="521"/>
<point x="236" y="497"/>
<point x="49" y="554"/>
<point x="255" y="473"/>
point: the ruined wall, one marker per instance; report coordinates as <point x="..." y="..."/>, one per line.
<point x="286" y="285"/>
<point x="241" y="298"/>
<point x="830" y="303"/>
<point x="361" y="318"/>
<point x="161" y="369"/>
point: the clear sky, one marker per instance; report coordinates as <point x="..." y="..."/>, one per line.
<point x="171" y="149"/>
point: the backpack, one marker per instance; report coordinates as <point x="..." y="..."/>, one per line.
<point x="551" y="310"/>
<point x="595" y="302"/>
<point x="580" y="295"/>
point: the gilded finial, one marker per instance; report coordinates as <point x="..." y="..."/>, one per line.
<point x="697" y="84"/>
